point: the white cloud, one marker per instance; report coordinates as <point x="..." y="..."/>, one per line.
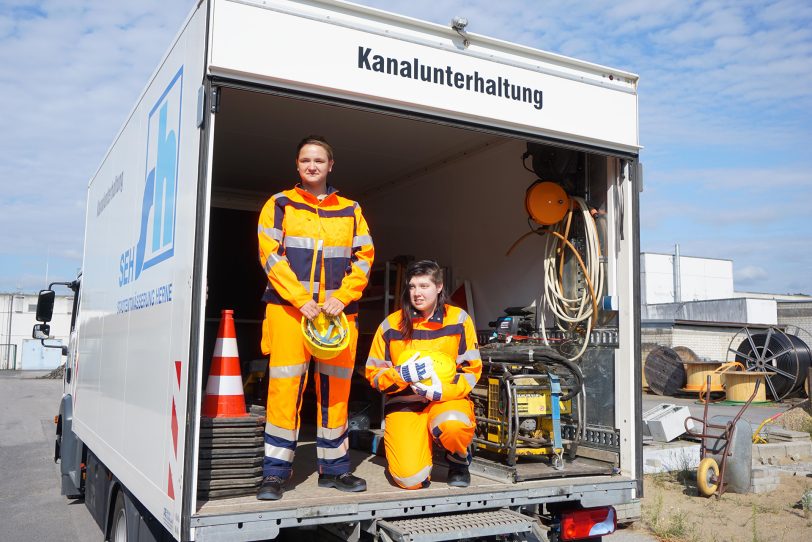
<point x="750" y="274"/>
<point x="729" y="78"/>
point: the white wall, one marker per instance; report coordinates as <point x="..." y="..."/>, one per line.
<point x="23" y="318"/>
<point x="710" y="342"/>
<point x="700" y="278"/>
<point x="483" y="196"/>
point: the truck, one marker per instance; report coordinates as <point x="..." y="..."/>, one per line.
<point x="442" y="136"/>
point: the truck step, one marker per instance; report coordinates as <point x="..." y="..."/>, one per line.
<point x="463" y="526"/>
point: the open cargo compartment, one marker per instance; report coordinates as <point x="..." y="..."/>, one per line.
<point x="428" y="189"/>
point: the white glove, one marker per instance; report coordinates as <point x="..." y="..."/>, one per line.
<point x="416" y="368"/>
<point x="433" y="391"/>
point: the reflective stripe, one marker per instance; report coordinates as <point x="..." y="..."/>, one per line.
<point x="471" y="379"/>
<point x="450" y="415"/>
<point x="333" y="453"/>
<point x="363" y="265"/>
<point x="345" y="373"/>
<point x="274" y="233"/>
<point x="463" y="316"/>
<point x="328" y="293"/>
<point x="456" y="459"/>
<point x="306" y="285"/>
<point x="226" y="348"/>
<point x="385" y="326"/>
<point x="299" y="242"/>
<point x="375" y="381"/>
<point x="328" y="433"/>
<point x="337" y="252"/>
<point x="415" y="479"/>
<point x="276" y="452"/>
<point x="272" y="260"/>
<point x="224" y="385"/>
<point x="469" y="355"/>
<point x="375" y="362"/>
<point x="361" y="240"/>
<point x="280" y="432"/>
<point x="287" y="371"/>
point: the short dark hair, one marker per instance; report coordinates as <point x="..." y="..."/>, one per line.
<point x="315" y="139"/>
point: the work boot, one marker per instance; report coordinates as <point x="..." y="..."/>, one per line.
<point x="271" y="488"/>
<point x="344" y="482"/>
<point x="458" y="475"/>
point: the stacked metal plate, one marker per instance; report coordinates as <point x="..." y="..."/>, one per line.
<point x="231" y="452"/>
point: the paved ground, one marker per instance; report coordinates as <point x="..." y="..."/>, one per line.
<point x="31" y="508"/>
<point x="755" y="414"/>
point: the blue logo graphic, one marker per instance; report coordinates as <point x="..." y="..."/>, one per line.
<point x="156" y="241"/>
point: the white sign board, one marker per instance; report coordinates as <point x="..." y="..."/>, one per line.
<point x="354" y="59"/>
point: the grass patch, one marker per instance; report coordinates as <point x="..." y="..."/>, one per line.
<point x="672" y="526"/>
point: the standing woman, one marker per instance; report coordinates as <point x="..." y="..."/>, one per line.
<point x="419" y="406"/>
<point x="315" y="248"/>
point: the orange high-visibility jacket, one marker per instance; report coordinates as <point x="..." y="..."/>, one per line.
<point x="449" y="330"/>
<point x="304" y="241"/>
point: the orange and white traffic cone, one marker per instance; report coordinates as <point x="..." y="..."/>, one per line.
<point x="224" y="395"/>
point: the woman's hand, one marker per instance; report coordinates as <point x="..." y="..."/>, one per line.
<point x="310" y="309"/>
<point x="332" y="307"/>
<point x="432" y="392"/>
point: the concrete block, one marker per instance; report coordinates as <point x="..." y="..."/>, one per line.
<point x="670" y="457"/>
<point x="770" y="453"/>
<point x="765" y="488"/>
<point x="666" y="421"/>
<point x="760" y="472"/>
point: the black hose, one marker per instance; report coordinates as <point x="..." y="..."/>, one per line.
<point x="544" y="357"/>
<point x="794" y="360"/>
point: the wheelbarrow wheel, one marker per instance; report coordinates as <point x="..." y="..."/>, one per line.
<point x="707" y="477"/>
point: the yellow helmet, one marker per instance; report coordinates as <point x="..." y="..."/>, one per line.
<point x="444" y="365"/>
<point x="326" y="336"/>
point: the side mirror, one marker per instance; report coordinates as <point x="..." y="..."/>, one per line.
<point x="42" y="331"/>
<point x="45" y="305"/>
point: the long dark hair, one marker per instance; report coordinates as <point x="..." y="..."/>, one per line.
<point x="422" y="268"/>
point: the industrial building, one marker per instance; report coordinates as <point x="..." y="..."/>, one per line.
<point x="18" y="350"/>
<point x="690" y="301"/>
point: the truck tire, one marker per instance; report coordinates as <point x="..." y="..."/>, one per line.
<point x="118" y="526"/>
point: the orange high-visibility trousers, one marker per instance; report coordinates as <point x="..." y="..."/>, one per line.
<point x="289" y="361"/>
<point x="409" y="430"/>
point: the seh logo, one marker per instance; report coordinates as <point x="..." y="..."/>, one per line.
<point x="156" y="241"/>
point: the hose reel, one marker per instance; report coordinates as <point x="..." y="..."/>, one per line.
<point x="781" y="354"/>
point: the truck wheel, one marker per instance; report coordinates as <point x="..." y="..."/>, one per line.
<point x="118" y="531"/>
<point x="707" y="477"/>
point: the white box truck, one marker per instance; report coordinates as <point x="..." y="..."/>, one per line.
<point x="416" y="112"/>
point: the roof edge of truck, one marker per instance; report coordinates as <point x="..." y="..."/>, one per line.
<point x="446" y="30"/>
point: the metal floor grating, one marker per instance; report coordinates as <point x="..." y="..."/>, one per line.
<point x="457" y="526"/>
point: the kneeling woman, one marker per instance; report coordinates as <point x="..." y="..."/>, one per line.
<point x="420" y="407"/>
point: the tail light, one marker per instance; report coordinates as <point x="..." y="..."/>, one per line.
<point x="586" y="523"/>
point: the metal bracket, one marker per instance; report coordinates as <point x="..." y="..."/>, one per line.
<point x="215" y="100"/>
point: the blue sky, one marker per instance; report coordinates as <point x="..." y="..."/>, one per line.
<point x="725" y="116"/>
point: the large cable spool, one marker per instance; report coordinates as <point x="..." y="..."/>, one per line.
<point x="785" y="358"/>
<point x="664" y="371"/>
